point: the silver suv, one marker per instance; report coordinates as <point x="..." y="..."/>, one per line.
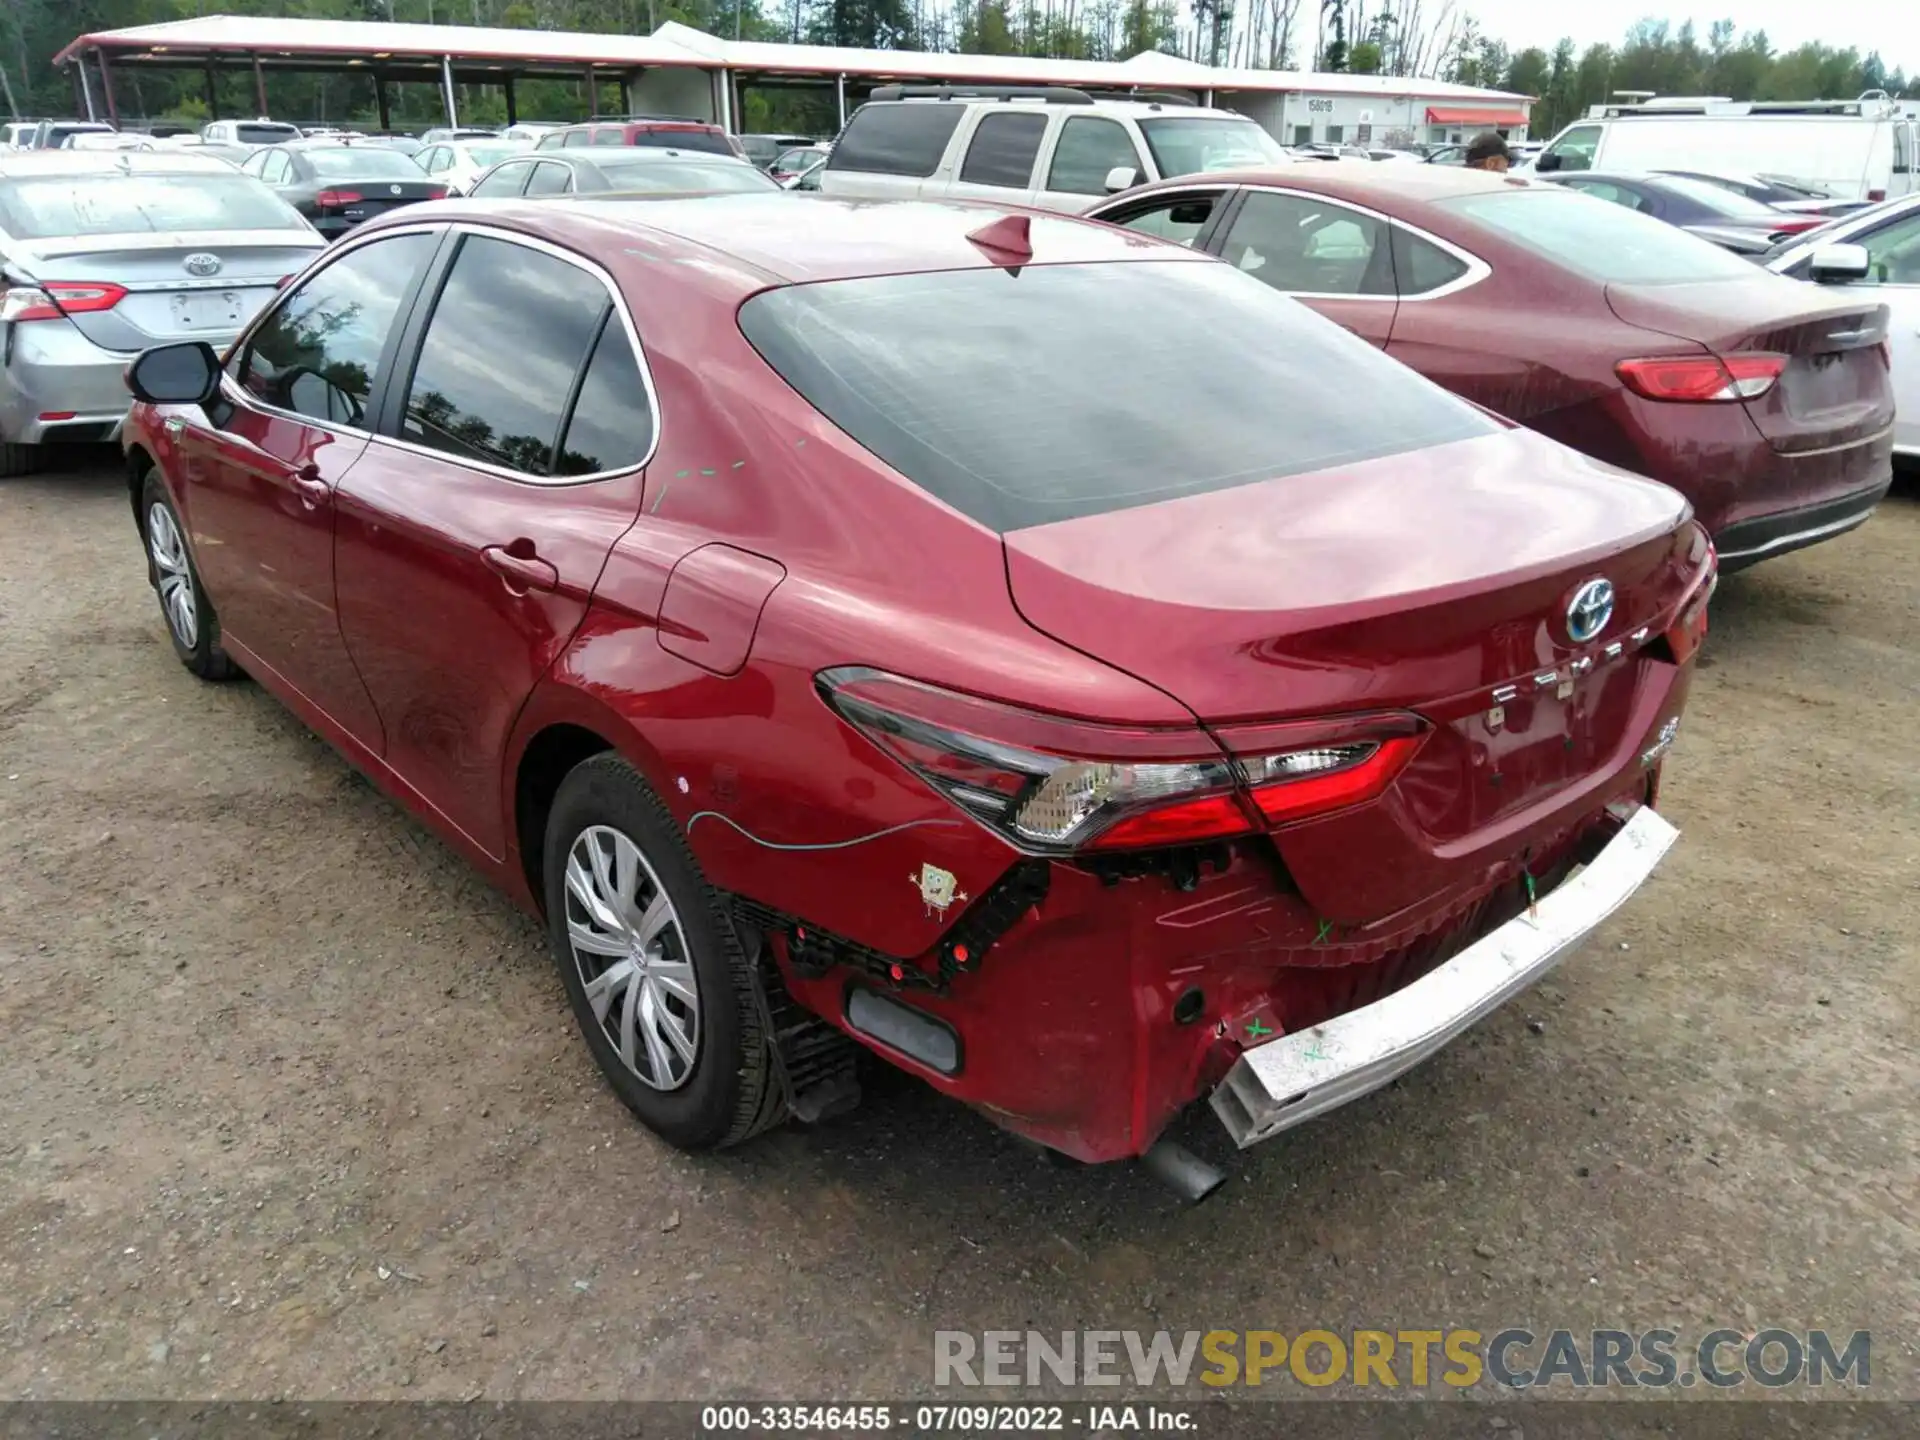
<point x="1051" y="147"/>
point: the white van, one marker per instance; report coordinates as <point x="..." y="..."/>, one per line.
<point x="1861" y="149"/>
<point x="1046" y="146"/>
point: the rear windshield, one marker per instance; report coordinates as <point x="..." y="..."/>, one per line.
<point x="1068" y="390"/>
<point x="1598" y="239"/>
<point x="663" y="174"/>
<point x="362" y="162"/>
<point x="710" y="142"/>
<point x="1718" y="198"/>
<point x="114" y="204"/>
<point x="258" y="134"/>
<point x="1189" y="146"/>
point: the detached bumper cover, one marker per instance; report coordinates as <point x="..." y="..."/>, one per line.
<point x="1291" y="1080"/>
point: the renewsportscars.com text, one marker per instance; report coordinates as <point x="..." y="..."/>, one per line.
<point x="1515" y="1358"/>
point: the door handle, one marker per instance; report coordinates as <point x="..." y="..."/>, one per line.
<point x="520" y="572"/>
<point x="310" y="487"/>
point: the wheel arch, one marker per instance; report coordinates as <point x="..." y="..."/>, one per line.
<point x="139" y="462"/>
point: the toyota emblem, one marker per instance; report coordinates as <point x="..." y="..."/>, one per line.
<point x="1589" y="610"/>
<point x="201" y="263"/>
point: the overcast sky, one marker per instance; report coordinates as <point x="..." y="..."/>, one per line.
<point x="1890" y="26"/>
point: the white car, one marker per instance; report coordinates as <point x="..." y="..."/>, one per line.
<point x="1876" y="252"/>
<point x="461" y="162"/>
<point x="529" y="131"/>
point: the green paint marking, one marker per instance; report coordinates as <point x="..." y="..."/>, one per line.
<point x="706" y="472"/>
<point x="1315" y="1053"/>
<point x="1255" y="1030"/>
<point x="1326" y="929"/>
<point x="681" y="474"/>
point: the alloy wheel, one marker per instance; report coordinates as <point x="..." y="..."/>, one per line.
<point x="631" y="952"/>
<point x="175" y="577"/>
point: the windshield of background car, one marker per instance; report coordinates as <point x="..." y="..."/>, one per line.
<point x="1189" y="146"/>
<point x="1068" y="390"/>
<point x="1598" y="239"/>
<point x="361" y="162"/>
<point x="110" y="203"/>
<point x="653" y="172"/>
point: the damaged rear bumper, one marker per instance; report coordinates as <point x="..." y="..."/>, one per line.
<point x="1288" y="1081"/>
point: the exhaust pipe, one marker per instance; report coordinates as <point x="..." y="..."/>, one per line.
<point x="1182" y="1171"/>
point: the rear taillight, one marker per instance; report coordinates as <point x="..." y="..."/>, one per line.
<point x="333" y="199"/>
<point x="1055" y="786"/>
<point x="436" y="192"/>
<point x="1796" y="227"/>
<point x="1702" y="378"/>
<point x="52" y="299"/>
<point x="1876" y="195"/>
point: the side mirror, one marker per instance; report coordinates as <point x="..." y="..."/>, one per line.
<point x="1121" y="177"/>
<point x="186" y="374"/>
<point x="1839" y="264"/>
<point x="1547" y="162"/>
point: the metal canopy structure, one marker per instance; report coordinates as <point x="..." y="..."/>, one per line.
<point x="447" y="55"/>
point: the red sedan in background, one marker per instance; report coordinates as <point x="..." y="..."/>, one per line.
<point x="1768" y="405"/>
<point x="1068" y="668"/>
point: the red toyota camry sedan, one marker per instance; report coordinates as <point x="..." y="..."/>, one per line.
<point x="1054" y="662"/>
<point x="1768" y="405"/>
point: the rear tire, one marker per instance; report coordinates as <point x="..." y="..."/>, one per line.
<point x="20" y="459"/>
<point x="191" y="624"/>
<point x="659" y="984"/>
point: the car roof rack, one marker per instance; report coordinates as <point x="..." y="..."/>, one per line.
<point x="1163" y="97"/>
<point x="1051" y="94"/>
<point x="1874" y="102"/>
<point x="622" y="119"/>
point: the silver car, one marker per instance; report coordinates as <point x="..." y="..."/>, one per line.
<point x="103" y="254"/>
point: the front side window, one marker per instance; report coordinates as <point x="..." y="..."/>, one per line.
<point x="611" y="427"/>
<point x="505" y="180"/>
<point x="1003" y="148"/>
<point x="608" y="137"/>
<point x="1088" y="150"/>
<point x="318" y="353"/>
<point x="1575" y="149"/>
<point x="550" y="178"/>
<point x="896" y="138"/>
<point x="1180" y="218"/>
<point x="462" y="398"/>
<point x="1068" y="390"/>
<point x="577" y="137"/>
<point x="1306" y="246"/>
<point x="1893" y="254"/>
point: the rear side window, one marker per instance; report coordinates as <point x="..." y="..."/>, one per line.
<point x="507" y="180"/>
<point x="1603" y="242"/>
<point x="609" y="137"/>
<point x="1068" y="390"/>
<point x="463" y="399"/>
<point x="611" y="427"/>
<point x="896" y="138"/>
<point x="318" y="354"/>
<point x="707" y="142"/>
<point x="1421" y="267"/>
<point x="1002" y="149"/>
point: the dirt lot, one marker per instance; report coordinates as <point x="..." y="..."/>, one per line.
<point x="290" y="1104"/>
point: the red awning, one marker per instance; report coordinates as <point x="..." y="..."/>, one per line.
<point x="1446" y="115"/>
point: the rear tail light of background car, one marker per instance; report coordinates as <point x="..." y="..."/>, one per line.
<point x="51" y="299"/>
<point x="1055" y="786"/>
<point x="1702" y="378"/>
<point x="1796" y="227"/>
<point x="334" y="199"/>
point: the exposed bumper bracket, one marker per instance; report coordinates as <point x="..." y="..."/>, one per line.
<point x="1288" y="1081"/>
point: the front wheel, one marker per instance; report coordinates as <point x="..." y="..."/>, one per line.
<point x="191" y="623"/>
<point x="657" y="979"/>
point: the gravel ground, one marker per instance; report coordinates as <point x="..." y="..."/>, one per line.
<point x="291" y="1104"/>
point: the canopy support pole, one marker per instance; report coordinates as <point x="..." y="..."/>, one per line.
<point x="513" y="110"/>
<point x="86" y="86"/>
<point x="213" y="94"/>
<point x="380" y="99"/>
<point x="106" y="89"/>
<point x="446" y="90"/>
<point x="260" y="88"/>
<point x="840" y="97"/>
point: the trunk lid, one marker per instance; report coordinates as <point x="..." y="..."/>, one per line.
<point x="363" y="199"/>
<point x="1836" y="389"/>
<point x="1418" y="583"/>
<point x="165" y="300"/>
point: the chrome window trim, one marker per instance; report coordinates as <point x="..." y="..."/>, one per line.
<point x="1477" y="269"/>
<point x="234" y="392"/>
<point x="619" y="303"/>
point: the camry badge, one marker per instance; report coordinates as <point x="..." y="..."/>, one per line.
<point x="201" y="263"/>
<point x="1589" y="610"/>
